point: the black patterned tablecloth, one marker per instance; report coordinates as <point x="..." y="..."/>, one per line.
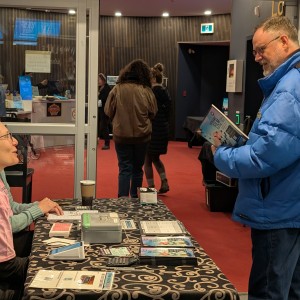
<point x="204" y="281"/>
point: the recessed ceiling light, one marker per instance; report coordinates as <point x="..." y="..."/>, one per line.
<point x="207" y="12"/>
<point x="165" y="14"/>
<point x="72" y="11"/>
<point x="118" y="14"/>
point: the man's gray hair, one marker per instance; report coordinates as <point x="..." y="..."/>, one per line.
<point x="282" y="25"/>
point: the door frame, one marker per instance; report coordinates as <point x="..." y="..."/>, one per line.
<point x="79" y="129"/>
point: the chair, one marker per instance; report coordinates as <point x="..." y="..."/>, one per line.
<point x="20" y="175"/>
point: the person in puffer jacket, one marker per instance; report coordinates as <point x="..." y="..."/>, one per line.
<point x="268" y="166"/>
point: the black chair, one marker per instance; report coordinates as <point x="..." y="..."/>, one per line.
<point x="20" y="175"/>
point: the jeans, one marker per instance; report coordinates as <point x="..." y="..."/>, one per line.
<point x="131" y="159"/>
<point x="275" y="273"/>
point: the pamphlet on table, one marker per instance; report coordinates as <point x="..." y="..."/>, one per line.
<point x="167" y="256"/>
<point x="162" y="228"/>
<point x="166" y="241"/>
<point x="88" y="280"/>
<point x="69" y="215"/>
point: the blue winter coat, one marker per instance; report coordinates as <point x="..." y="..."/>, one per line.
<point x="268" y="166"/>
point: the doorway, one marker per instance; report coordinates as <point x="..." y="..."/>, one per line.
<point x="201" y="81"/>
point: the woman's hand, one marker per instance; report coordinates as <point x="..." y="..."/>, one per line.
<point x="46" y="205"/>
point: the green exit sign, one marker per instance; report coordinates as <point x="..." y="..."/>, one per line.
<point x="207" y="28"/>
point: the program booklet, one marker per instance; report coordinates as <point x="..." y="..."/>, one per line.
<point x="167" y="256"/>
<point x="216" y="121"/>
<point x="166" y="241"/>
<point x="162" y="228"/>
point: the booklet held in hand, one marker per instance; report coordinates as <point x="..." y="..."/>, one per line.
<point x="216" y="123"/>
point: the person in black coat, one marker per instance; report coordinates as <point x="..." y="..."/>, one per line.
<point x="103" y="119"/>
<point x="160" y="131"/>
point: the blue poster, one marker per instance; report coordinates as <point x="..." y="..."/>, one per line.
<point x="25" y="87"/>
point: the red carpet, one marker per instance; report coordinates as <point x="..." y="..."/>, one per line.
<point x="227" y="243"/>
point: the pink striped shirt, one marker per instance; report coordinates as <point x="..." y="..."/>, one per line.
<point x="7" y="251"/>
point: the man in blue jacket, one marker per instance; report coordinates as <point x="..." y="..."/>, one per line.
<point x="268" y="166"/>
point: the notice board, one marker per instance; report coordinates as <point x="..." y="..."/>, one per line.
<point x="38" y="61"/>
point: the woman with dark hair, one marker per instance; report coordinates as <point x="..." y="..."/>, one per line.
<point x="160" y="131"/>
<point x="131" y="106"/>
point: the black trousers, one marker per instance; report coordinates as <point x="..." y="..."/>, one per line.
<point x="12" y="278"/>
<point x="23" y="242"/>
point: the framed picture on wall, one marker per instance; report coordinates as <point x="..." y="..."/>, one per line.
<point x="234" y="80"/>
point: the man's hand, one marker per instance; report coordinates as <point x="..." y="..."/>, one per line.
<point x="46" y="205"/>
<point x="217" y="135"/>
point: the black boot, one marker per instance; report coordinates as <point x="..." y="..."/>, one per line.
<point x="164" y="187"/>
<point x="106" y="146"/>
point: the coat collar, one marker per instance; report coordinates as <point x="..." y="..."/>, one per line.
<point x="269" y="82"/>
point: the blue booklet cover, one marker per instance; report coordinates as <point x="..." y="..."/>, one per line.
<point x="167" y="241"/>
<point x="216" y="122"/>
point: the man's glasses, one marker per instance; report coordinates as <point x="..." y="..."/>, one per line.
<point x="7" y="136"/>
<point x="261" y="50"/>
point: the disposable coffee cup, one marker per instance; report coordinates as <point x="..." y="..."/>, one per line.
<point x="87" y="192"/>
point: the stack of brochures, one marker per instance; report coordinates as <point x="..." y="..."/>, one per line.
<point x="165" y="242"/>
<point x="167" y="256"/>
<point x="60" y="229"/>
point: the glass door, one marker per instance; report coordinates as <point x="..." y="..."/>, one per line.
<point x="48" y="69"/>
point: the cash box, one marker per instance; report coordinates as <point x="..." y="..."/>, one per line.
<point x="147" y="195"/>
<point x="101" y="228"/>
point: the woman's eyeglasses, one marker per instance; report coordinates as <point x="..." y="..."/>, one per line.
<point x="261" y="50"/>
<point x="7" y="136"/>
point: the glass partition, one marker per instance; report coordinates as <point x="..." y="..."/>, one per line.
<point x="45" y="89"/>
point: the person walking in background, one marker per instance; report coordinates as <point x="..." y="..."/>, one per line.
<point x="131" y="105"/>
<point x="268" y="166"/>
<point x="160" y="131"/>
<point x="103" y="119"/>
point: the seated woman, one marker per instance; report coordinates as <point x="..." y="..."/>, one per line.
<point x="14" y="217"/>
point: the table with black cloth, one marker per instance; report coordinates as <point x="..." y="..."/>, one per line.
<point x="191" y="126"/>
<point x="204" y="281"/>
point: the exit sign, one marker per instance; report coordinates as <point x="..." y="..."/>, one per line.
<point x="207" y="28"/>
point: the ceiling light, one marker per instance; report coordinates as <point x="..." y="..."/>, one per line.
<point x="72" y="11"/>
<point x="207" y="12"/>
<point x="165" y="14"/>
<point x="118" y="14"/>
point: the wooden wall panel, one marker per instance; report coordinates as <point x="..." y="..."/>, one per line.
<point x="154" y="40"/>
